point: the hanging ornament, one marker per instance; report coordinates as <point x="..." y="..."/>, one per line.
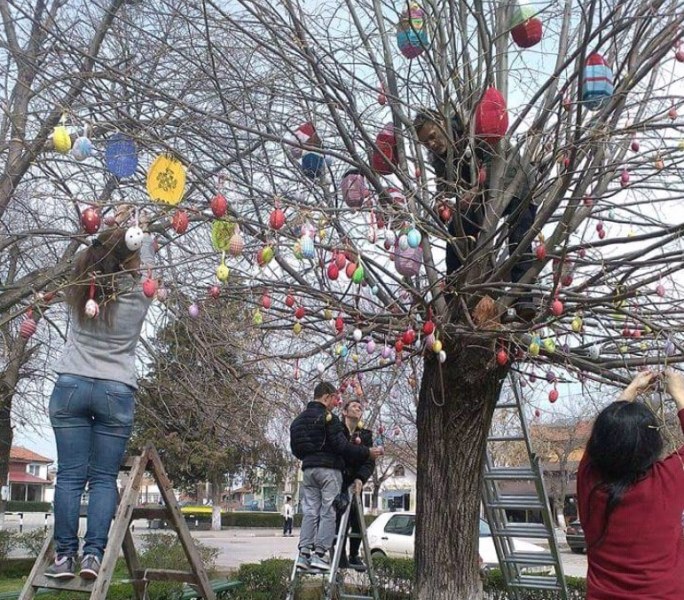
<point x="339" y="324"/>
<point x="357" y="335"/>
<point x="370" y="346"/>
<point x="320" y="367"/>
<point x="408" y="261"/>
<point x="266" y="301"/>
<point x="577" y="324"/>
<point x="385" y="156"/>
<point x="166" y="180"/>
<point x="354" y="189"/>
<point x="358" y="275"/>
<point x="214" y="292"/>
<point x="412" y="37"/>
<point x="403" y="242"/>
<point x="61" y="139"/>
<point x="222" y="231"/>
<point x="300" y="313"/>
<point x="408" y="337"/>
<point x="92" y="309"/>
<point x="222" y="271"/>
<point x="83" y="147"/>
<point x="382" y="96"/>
<point x="526" y="28"/>
<point x="635" y="145"/>
<point x="28" y="325"/>
<point x="502" y="357"/>
<point x="180" y="221"/>
<point x="162" y="294"/>
<point x="557" y="308"/>
<point x="289" y="300"/>
<point x="277" y="218"/>
<point x="219" y="206"/>
<point x="121" y="156"/>
<point x="549" y="345"/>
<point x="90" y="220"/>
<point x="669" y="348"/>
<point x="236" y="244"/>
<point x="386" y="352"/>
<point x="660" y="290"/>
<point x="305" y="134"/>
<point x="306" y="245"/>
<point x="194" y="310"/>
<point x="534" y="348"/>
<point x="413" y="237"/>
<point x="150" y="285"/>
<point x="134" y="238"/>
<point x="333" y="271"/>
<point x="672" y="113"/>
<point x="624" y="178"/>
<point x="257" y="318"/>
<point x="437" y="346"/>
<point x="491" y="117"/>
<point x="313" y="164"/>
<point x="597" y="83"/>
<point x="553" y="395"/>
<point x="265" y="255"/>
<point x="442" y="356"/>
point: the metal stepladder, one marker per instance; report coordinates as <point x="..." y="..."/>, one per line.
<point x="516" y="565"/>
<point x="120" y="538"/>
<point x="335" y="579"/>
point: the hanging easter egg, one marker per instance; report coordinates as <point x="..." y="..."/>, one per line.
<point x="672" y="113"/>
<point x="344" y="351"/>
<point x="92" y="309"/>
<point x="236" y="244"/>
<point x="333" y="271"/>
<point x="413" y="237"/>
<point x="219" y="206"/>
<point x="533" y="349"/>
<point x="194" y="310"/>
<point x="557" y="308"/>
<point x="549" y="345"/>
<point x="276" y="219"/>
<point x="390" y="237"/>
<point x="320" y="367"/>
<point x="222" y="272"/>
<point x="669" y="348"/>
<point x="491" y="117"/>
<point x="540" y="252"/>
<point x="214" y="292"/>
<point x="180" y="221"/>
<point x="385" y="155"/>
<point x="357" y="335"/>
<point x="297" y="250"/>
<point x="354" y="188"/>
<point x="526" y="28"/>
<point x="90" y="220"/>
<point x="61" y="139"/>
<point x="660" y="290"/>
<point x="370" y="346"/>
<point x="408" y="337"/>
<point x="429" y="341"/>
<point x="313" y="164"/>
<point x="300" y="313"/>
<point x="166" y="180"/>
<point x="597" y="82"/>
<point x="339" y="324"/>
<point x="257" y="318"/>
<point x="442" y="356"/>
<point x="82" y="149"/>
<point x="428" y="327"/>
<point x="149" y="287"/>
<point x="308" y="229"/>
<point x="398" y="346"/>
<point x="635" y="145"/>
<point x="576" y="324"/>
<point x="553" y="395"/>
<point x="340" y="260"/>
<point x="134" y="238"/>
<point x="412" y="37"/>
<point x="358" y="275"/>
<point x="307" y="247"/>
<point x="162" y="294"/>
<point x="386" y="352"/>
<point x="403" y="242"/>
<point x="305" y="134"/>
<point x="679" y="54"/>
<point x="266" y="301"/>
<point x="408" y="262"/>
<point x="550" y="376"/>
<point x="121" y="156"/>
<point x="28" y="326"/>
<point x="265" y="255"/>
<point x="289" y="300"/>
<point x="437" y="346"/>
<point x="502" y="357"/>
<point x="624" y="178"/>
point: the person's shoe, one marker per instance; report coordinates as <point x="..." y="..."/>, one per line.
<point x="356" y="563"/>
<point x="90" y="567"/>
<point x="319" y="563"/>
<point x="64" y="567"/>
<point x="304" y="563"/>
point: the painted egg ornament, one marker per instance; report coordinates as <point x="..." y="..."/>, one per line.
<point x="635" y="145"/>
<point x="92" y="309"/>
<point x="597" y="83"/>
<point x="277" y="219"/>
<point x="354" y="188"/>
<point x="134" y="238"/>
<point x="408" y="337"/>
<point x="502" y="358"/>
<point x="386" y="352"/>
<point x="180" y="221"/>
<point x="429" y="341"/>
<point x="408" y="262"/>
<point x="265" y="255"/>
<point x="576" y="324"/>
<point x="385" y="156"/>
<point x="428" y="327"/>
<point x="344" y="351"/>
<point x="540" y="252"/>
<point x="162" y="294"/>
<point x="437" y="347"/>
<point x="61" y="139"/>
<point x="390" y="237"/>
<point x="412" y="37"/>
<point x="236" y="244"/>
<point x="333" y="271"/>
<point x="550" y="376"/>
<point x="149" y="287"/>
<point x="672" y="113"/>
<point x="528" y="33"/>
<point x="442" y="356"/>
<point x="533" y="349"/>
<point x="413" y="237"/>
<point x="297" y="250"/>
<point x="660" y="290"/>
<point x="358" y="275"/>
<point x="624" y="178"/>
<point x="257" y="318"/>
<point x="320" y="367"/>
<point x="82" y="149"/>
<point x="28" y="327"/>
<point x="166" y="180"/>
<point x="491" y="117"/>
<point x="340" y="260"/>
<point x="557" y="308"/>
<point x="90" y="220"/>
<point x="222" y="272"/>
<point x="121" y="156"/>
<point x="669" y="348"/>
<point x="214" y="292"/>
<point x="194" y="310"/>
<point x="357" y="335"/>
<point x="313" y="164"/>
<point x="219" y="206"/>
<point x="553" y="395"/>
<point x="403" y="242"/>
<point x="306" y="245"/>
<point x="549" y="345"/>
<point x="339" y="325"/>
<point x="300" y="313"/>
<point x="370" y="346"/>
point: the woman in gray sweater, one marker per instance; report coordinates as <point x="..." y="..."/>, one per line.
<point x="92" y="404"/>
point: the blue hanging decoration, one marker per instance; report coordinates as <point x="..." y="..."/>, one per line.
<point x="412" y="37"/>
<point x="313" y="164"/>
<point x="597" y="85"/>
<point x="121" y="156"/>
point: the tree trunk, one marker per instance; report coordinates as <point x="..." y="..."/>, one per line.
<point x="456" y="404"/>
<point x="216" y="489"/>
<point x="6" y="436"/>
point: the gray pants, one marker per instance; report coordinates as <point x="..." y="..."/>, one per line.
<point x="319" y="488"/>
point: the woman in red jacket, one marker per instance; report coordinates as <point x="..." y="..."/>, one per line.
<point x="631" y="502"/>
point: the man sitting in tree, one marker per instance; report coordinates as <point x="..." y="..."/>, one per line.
<point x="468" y="181"/>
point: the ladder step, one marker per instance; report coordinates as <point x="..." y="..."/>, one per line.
<point x="166" y="575"/>
<point x="517" y="503"/>
<point x="76" y="584"/>
<point x="506" y="438"/>
<point x="522" y="530"/>
<point x="500" y="473"/>
<point x="535" y="582"/>
<point x="144" y="512"/>
<point x="531" y="558"/>
<point x="507" y="405"/>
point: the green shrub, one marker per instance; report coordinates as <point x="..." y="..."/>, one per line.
<point x="8" y="542"/>
<point x="267" y="580"/>
<point x="255" y="519"/>
<point x="16" y="506"/>
<point x="14" y="568"/>
<point x="32" y="541"/>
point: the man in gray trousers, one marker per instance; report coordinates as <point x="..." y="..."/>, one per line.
<point x="317" y="439"/>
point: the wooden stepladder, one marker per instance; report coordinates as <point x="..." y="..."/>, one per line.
<point x="120" y="538"/>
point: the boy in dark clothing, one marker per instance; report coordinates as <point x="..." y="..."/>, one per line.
<point x="317" y="438"/>
<point x="470" y="190"/>
<point x="355" y="475"/>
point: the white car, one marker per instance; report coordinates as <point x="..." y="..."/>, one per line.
<point x="393" y="535"/>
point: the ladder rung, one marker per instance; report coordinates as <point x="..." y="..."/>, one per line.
<point x="354" y="597"/>
<point x="523" y="530"/>
<point x="507" y="405"/>
<point x="517" y="503"/>
<point x="145" y="512"/>
<point x="531" y="558"/>
<point x="532" y="582"/>
<point x="166" y="575"/>
<point x="510" y="473"/>
<point x="506" y="438"/>
<point x="77" y="584"/>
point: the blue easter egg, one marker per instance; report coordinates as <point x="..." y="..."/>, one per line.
<point x="313" y="164"/>
<point x="82" y="148"/>
<point x="307" y="247"/>
<point x="414" y="238"/>
<point x="121" y="156"/>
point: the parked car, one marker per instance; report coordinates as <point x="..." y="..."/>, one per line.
<point x="574" y="534"/>
<point x="253" y="505"/>
<point x="393" y="535"/>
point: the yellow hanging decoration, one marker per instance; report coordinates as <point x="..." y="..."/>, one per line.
<point x="221" y="234"/>
<point x="166" y="180"/>
<point x="61" y="139"/>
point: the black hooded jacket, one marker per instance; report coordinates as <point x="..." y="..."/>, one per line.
<point x="362" y="470"/>
<point x="317" y="438"/>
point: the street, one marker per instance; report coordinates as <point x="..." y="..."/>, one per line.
<point x="240" y="545"/>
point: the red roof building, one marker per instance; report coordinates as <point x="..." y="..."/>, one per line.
<point x="28" y="476"/>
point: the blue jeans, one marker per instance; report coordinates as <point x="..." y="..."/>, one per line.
<point x="319" y="488"/>
<point x="92" y="420"/>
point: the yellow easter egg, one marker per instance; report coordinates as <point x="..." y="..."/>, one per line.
<point x="222" y="272"/>
<point x="577" y="324"/>
<point x="166" y="180"/>
<point x="534" y="349"/>
<point x="61" y="139"/>
<point x="327" y="314"/>
<point x="437" y="346"/>
<point x="297" y="328"/>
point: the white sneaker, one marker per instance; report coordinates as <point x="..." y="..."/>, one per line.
<point x="319" y="563"/>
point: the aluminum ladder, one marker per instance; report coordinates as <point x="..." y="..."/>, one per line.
<point x="335" y="580"/>
<point x="521" y="570"/>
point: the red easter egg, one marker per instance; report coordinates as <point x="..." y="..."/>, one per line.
<point x="180" y="221"/>
<point x="90" y="220"/>
<point x="300" y="312"/>
<point x="219" y="205"/>
<point x="333" y="271"/>
<point x="553" y="395"/>
<point x="266" y="301"/>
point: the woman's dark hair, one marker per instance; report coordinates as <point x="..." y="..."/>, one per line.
<point x="97" y="265"/>
<point x="624" y="444"/>
<point x="429" y="115"/>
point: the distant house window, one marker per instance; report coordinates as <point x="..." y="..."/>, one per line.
<point x="34" y="470"/>
<point x="399" y="471"/>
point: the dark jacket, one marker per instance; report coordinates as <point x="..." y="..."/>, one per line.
<point x="317" y="438"/>
<point x="362" y="470"/>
